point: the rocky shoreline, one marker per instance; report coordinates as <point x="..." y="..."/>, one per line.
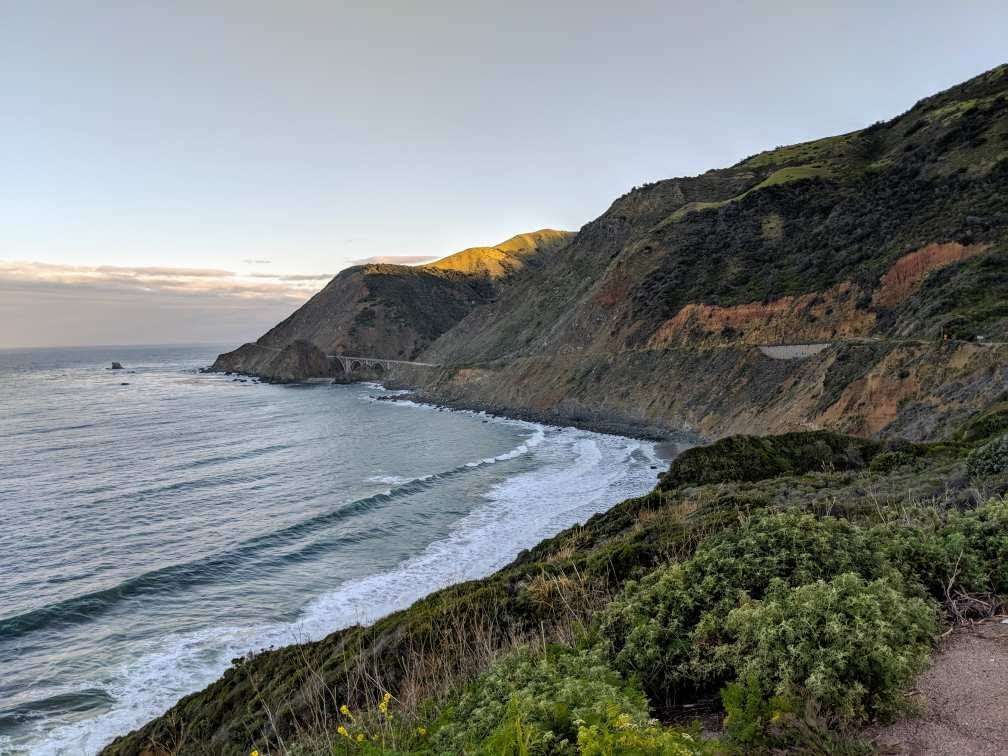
<point x="596" y="422"/>
<point x="671" y="442"/>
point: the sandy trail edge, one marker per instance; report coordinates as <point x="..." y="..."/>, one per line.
<point x="965" y="698"/>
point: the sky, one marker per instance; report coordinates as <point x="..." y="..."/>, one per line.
<point x="191" y="171"/>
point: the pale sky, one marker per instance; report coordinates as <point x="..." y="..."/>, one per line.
<point x="247" y="150"/>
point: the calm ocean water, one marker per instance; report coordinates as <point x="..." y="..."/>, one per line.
<point x="152" y="531"/>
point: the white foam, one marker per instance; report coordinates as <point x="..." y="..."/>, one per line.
<point x="389" y="480"/>
<point x="516" y="515"/>
<point x="580" y="473"/>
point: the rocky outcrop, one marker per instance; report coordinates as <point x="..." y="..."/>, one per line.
<point x="813" y="317"/>
<point x="297" y="361"/>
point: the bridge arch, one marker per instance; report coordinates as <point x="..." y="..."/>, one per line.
<point x="351" y="363"/>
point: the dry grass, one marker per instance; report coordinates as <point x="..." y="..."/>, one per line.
<point x="577" y="539"/>
<point x="432" y="668"/>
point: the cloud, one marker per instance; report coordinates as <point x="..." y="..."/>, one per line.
<point x="394" y="260"/>
<point x="161" y="280"/>
<point x="156" y="271"/>
<point x="257" y="262"/>
<point x="43" y="304"/>
<point x="296" y="277"/>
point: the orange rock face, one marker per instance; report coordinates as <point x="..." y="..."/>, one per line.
<point x="819" y="316"/>
<point x="908" y="273"/>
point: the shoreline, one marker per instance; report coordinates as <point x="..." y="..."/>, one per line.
<point x="668" y="443"/>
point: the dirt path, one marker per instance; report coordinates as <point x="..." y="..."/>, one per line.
<point x="965" y="694"/>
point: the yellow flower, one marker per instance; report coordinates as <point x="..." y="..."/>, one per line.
<point x="344" y="710"/>
<point x="421" y="731"/>
<point x="343" y="731"/>
<point x="360" y="737"/>
<point x="254" y="753"/>
<point x="776" y="716"/>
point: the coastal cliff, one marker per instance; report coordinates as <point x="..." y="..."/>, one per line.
<point x="886" y="246"/>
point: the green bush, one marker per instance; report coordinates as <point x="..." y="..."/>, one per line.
<point x="749" y="711"/>
<point x="967" y="550"/>
<point x="753" y="458"/>
<point x="982" y="427"/>
<point x="851" y="645"/>
<point x="989" y="460"/>
<point x="538" y="704"/>
<point x="888" y="461"/>
<point x="667" y="627"/>
<point x="755" y="723"/>
<point x="640" y="740"/>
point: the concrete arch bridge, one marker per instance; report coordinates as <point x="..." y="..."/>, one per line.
<point x="351" y="364"/>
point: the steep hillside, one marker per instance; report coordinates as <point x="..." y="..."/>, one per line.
<point x="392" y="311"/>
<point x="882" y="242"/>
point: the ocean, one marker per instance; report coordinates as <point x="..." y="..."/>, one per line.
<point x="157" y="522"/>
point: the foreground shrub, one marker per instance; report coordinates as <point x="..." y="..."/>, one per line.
<point x="851" y="645"/>
<point x="964" y="552"/>
<point x="640" y="740"/>
<point x="528" y="703"/>
<point x="749" y="711"/>
<point x="667" y="627"/>
<point x="989" y="460"/>
<point x="757" y="724"/>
